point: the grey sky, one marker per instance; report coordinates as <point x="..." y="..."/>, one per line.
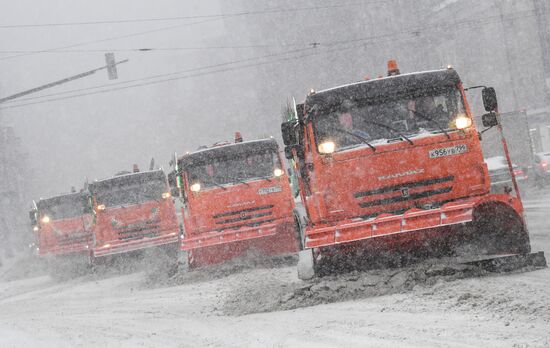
<point x="98" y="135"/>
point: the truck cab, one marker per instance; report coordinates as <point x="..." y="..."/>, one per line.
<point x="395" y="164"/>
<point x="133" y="211"/>
<point x="62" y="225"/>
<point x="236" y="201"/>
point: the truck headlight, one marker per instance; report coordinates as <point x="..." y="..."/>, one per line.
<point x="166" y="195"/>
<point x="327" y="147"/>
<point x="278" y="172"/>
<point x="35" y="228"/>
<point x="45" y="219"/>
<point x="463" y="121"/>
<point x="196" y="187"/>
<point x="101" y="207"/>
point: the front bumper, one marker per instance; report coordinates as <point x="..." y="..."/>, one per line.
<point x="64" y="250"/>
<point x="119" y="247"/>
<point x="208" y="239"/>
<point x="387" y="224"/>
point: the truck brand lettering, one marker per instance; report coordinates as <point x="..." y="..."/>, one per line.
<point x="399" y="175"/>
<point x="268" y="190"/>
<point x="240" y="204"/>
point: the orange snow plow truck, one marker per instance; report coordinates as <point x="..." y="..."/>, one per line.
<point x="133" y="211"/>
<point x="236" y="202"/>
<point x="394" y="167"/>
<point x="62" y="227"/>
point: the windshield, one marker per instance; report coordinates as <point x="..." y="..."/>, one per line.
<point x="65" y="207"/>
<point x="231" y="170"/>
<point x="131" y="192"/>
<point x="401" y="118"/>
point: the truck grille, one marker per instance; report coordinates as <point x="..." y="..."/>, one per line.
<point x="403" y="192"/>
<point x="139" y="230"/>
<point x="250" y="217"/>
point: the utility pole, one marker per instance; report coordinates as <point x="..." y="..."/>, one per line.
<point x="110" y="67"/>
<point x="542" y="8"/>
<point x="507" y="53"/>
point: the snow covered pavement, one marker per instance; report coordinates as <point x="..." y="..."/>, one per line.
<point x="125" y="311"/>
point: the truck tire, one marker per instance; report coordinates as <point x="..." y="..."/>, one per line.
<point x="500" y="230"/>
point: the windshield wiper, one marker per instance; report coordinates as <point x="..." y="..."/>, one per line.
<point x="363" y="140"/>
<point x="390" y="129"/>
<point x="238" y="180"/>
<point x="429" y="119"/>
<point x="215" y="183"/>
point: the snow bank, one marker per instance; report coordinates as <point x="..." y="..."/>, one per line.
<point x="267" y="294"/>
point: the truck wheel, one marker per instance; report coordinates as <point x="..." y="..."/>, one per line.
<point x="499" y="229"/>
<point x="306" y="264"/>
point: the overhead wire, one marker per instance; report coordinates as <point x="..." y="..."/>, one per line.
<point x="473" y="23"/>
<point x="145" y="49"/>
<point x="179" y="18"/>
<point x="180" y="77"/>
<point x="62" y="49"/>
<point x="483" y="21"/>
<point x="211" y="18"/>
<point x="165" y="74"/>
<point x="488" y="20"/>
<point x="110" y="38"/>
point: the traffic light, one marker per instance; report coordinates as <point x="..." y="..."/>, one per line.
<point x="111" y="66"/>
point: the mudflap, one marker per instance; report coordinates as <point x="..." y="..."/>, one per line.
<point x="183" y="261"/>
<point x="509" y="263"/>
<point x="306" y="264"/>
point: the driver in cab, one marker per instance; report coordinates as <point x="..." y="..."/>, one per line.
<point x="349" y="135"/>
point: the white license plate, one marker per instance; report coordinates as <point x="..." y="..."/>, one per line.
<point x="268" y="190"/>
<point x="448" y="151"/>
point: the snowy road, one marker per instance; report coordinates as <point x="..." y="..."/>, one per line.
<point x="122" y="311"/>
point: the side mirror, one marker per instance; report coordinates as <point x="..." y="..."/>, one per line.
<point x="489" y="120"/>
<point x="32" y="217"/>
<point x="87" y="205"/>
<point x="288" y="152"/>
<point x="489" y="99"/>
<point x="289" y="133"/>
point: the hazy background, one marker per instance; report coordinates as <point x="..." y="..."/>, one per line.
<point x="304" y="44"/>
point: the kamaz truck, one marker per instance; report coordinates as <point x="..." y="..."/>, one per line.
<point x="132" y="211"/>
<point x="237" y="203"/>
<point x="62" y="231"/>
<point x="392" y="168"/>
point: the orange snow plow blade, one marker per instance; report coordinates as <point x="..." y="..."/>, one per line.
<point x="388" y="224"/>
<point x="128" y="246"/>
<point x="267" y="240"/>
<point x="217" y="238"/>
